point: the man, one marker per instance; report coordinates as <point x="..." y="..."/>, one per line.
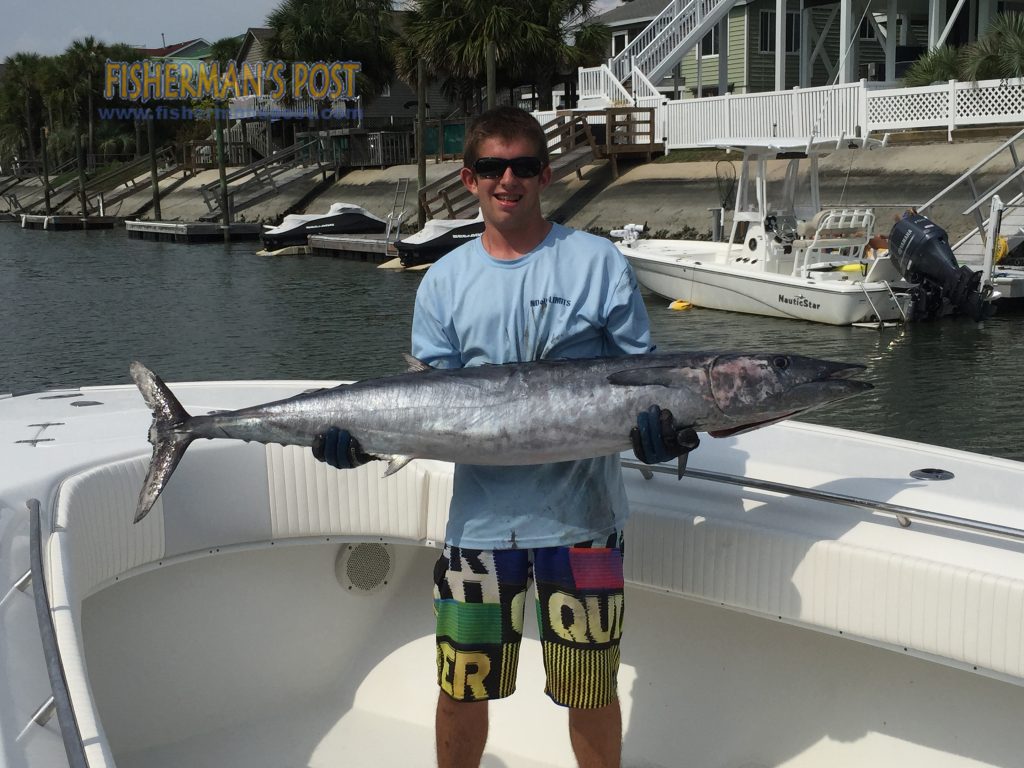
<point x="525" y="290"/>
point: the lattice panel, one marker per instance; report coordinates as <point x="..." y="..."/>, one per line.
<point x="1005" y="102"/>
<point x="908" y="109"/>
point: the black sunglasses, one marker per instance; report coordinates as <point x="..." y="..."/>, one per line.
<point x="494" y="167"/>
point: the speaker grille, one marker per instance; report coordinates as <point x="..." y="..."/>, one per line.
<point x="364" y="567"/>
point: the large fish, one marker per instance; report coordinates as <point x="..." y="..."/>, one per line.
<point x="518" y="413"/>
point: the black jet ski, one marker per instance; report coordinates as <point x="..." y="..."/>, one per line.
<point x="920" y="250"/>
<point x="437" y="237"/>
<point x="341" y="219"/>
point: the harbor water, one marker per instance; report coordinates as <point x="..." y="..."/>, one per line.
<point x="77" y="307"/>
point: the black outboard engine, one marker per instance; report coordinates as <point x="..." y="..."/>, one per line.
<point x="920" y="250"/>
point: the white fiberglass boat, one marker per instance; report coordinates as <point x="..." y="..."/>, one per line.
<point x="786" y="256"/>
<point x="805" y="596"/>
<point x="340" y="219"/>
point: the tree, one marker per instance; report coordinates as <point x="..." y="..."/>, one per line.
<point x="87" y="56"/>
<point x="571" y="40"/>
<point x="536" y="41"/>
<point x="997" y="55"/>
<point x="336" y="30"/>
<point x="21" y="80"/>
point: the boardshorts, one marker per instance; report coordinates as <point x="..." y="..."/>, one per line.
<point x="479" y="602"/>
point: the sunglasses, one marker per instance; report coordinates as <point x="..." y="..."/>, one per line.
<point x="494" y="167"/>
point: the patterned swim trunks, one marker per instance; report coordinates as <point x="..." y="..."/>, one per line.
<point x="479" y="601"/>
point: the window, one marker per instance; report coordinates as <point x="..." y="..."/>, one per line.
<point x="619" y="42"/>
<point x="768" y="32"/>
<point x="867" y="29"/>
<point x="709" y="43"/>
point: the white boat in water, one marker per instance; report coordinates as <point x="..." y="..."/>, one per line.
<point x="786" y="255"/>
<point x="805" y="596"/>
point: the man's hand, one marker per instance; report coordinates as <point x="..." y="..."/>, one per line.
<point x="338" y="448"/>
<point x="657" y="438"/>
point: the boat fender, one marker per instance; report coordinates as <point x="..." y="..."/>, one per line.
<point x="680" y="305"/>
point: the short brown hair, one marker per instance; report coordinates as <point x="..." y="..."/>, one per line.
<point x="507" y="124"/>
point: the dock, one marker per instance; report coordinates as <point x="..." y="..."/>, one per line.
<point x="191" y="231"/>
<point x="375" y="248"/>
<point x="66" y="223"/>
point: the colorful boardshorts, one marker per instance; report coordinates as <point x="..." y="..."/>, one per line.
<point x="479" y="601"/>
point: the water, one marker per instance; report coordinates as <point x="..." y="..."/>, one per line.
<point x="77" y="307"/>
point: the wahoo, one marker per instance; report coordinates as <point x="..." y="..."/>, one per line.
<point x="517" y="413"/>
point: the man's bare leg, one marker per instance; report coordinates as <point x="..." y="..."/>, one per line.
<point x="596" y="736"/>
<point x="461" y="728"/>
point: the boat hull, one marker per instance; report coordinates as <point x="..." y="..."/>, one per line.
<point x="418" y="249"/>
<point x="711" y="285"/>
<point x="340" y="224"/>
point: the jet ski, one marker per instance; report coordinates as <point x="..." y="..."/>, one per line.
<point x="437" y="237"/>
<point x="340" y="219"/>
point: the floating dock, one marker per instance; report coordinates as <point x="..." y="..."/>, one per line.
<point x="376" y="248"/>
<point x="66" y="223"/>
<point x="191" y="231"/>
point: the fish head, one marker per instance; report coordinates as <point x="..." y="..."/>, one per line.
<point x="752" y="391"/>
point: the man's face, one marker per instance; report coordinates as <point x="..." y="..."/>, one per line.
<point x="508" y="202"/>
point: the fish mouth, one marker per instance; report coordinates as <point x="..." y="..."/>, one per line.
<point x="806" y="384"/>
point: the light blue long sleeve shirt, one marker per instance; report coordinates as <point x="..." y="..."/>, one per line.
<point x="573" y="296"/>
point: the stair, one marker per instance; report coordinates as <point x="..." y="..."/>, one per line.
<point x="971" y="249"/>
<point x="668" y="38"/>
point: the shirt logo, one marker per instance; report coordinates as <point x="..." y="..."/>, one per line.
<point x="550" y="300"/>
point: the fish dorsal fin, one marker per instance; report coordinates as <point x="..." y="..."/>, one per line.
<point x="646" y="376"/>
<point x="414" y="364"/>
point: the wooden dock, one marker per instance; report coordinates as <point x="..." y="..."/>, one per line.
<point x="66" y="223"/>
<point x="190" y="231"/>
<point x="375" y="248"/>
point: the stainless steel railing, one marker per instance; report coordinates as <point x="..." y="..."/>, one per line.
<point x="903" y="514"/>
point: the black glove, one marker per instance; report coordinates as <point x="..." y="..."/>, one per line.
<point x="338" y="448"/>
<point x="657" y="438"/>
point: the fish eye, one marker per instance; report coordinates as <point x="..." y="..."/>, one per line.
<point x="780" y="362"/>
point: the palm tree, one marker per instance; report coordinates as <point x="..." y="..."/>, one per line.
<point x="21" y="79"/>
<point x="938" y="65"/>
<point x="88" y="55"/>
<point x="336" y="30"/>
<point x="572" y="40"/>
<point x="535" y="41"/>
<point x="999" y="54"/>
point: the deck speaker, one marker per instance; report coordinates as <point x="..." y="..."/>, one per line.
<point x="364" y="568"/>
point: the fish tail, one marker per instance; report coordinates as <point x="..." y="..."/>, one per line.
<point x="168" y="438"/>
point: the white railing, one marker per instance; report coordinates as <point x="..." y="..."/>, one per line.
<point x="598" y="87"/>
<point x="840" y="110"/>
<point x="802" y="112"/>
<point x="648" y="97"/>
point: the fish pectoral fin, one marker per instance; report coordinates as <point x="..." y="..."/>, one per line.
<point x="415" y="365"/>
<point x="395" y="463"/>
<point x="646" y="376"/>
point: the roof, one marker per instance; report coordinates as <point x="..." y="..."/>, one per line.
<point x="635" y="11"/>
<point x="169" y="50"/>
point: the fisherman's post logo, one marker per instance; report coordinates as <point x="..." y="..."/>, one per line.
<point x="153" y="80"/>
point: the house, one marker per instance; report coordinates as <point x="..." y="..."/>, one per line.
<point x="739" y="54"/>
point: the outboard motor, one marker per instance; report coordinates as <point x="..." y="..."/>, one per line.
<point x="920" y="250"/>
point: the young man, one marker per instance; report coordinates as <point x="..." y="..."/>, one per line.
<point x="526" y="290"/>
